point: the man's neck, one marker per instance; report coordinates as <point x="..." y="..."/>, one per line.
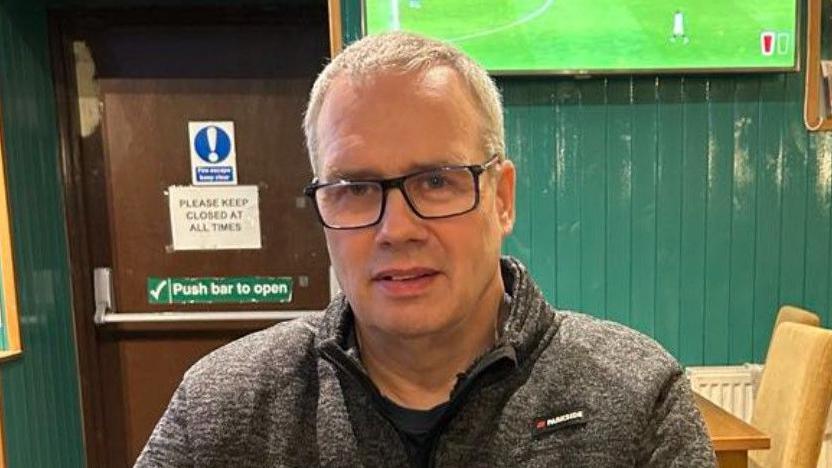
<point x="420" y="373"/>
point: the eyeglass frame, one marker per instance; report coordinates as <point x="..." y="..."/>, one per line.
<point x="476" y="171"/>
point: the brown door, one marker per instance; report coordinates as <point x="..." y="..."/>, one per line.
<point x="129" y="83"/>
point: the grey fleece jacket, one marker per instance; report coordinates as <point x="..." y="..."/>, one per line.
<point x="577" y="392"/>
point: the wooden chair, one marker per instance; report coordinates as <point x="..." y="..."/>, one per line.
<point x="789" y="313"/>
<point x="794" y="396"/>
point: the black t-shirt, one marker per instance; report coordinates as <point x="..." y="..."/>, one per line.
<point x="416" y="428"/>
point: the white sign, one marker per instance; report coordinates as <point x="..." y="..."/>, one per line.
<point x="213" y="153"/>
<point x="214" y="218"/>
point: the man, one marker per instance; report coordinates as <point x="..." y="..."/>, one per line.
<point x="438" y="352"/>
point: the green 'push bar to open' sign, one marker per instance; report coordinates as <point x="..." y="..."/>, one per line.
<point x="228" y="290"/>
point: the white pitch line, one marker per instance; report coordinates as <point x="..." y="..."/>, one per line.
<point x="395" y="18"/>
<point x="517" y="22"/>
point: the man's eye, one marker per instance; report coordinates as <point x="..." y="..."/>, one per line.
<point x="435" y="181"/>
<point x="358" y="190"/>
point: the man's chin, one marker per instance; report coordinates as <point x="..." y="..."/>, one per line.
<point x="412" y="323"/>
<point x="413" y="333"/>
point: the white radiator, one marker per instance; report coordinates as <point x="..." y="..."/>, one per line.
<point x="733" y="388"/>
<point x="730" y="387"/>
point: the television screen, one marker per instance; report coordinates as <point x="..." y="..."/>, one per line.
<point x="603" y="36"/>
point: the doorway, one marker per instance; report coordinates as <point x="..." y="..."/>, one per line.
<point x="133" y="88"/>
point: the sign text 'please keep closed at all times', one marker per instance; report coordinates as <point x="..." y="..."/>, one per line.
<point x="214" y="218"/>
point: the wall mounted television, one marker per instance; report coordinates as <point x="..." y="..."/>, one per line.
<point x="575" y="37"/>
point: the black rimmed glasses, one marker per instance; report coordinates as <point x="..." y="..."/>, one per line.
<point x="439" y="192"/>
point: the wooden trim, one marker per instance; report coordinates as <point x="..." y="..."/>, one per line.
<point x="6" y="356"/>
<point x="336" y="42"/>
<point x="3" y="455"/>
<point x="813" y="107"/>
<point x="61" y="26"/>
<point x="7" y="280"/>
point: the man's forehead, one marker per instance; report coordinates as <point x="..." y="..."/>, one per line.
<point x="396" y="123"/>
<point x="439" y="86"/>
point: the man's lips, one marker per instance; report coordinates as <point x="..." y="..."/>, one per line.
<point x="403" y="274"/>
<point x="405" y="283"/>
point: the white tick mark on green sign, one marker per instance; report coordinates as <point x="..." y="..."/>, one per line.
<point x="155" y="292"/>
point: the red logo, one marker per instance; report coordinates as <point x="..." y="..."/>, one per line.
<point x="767" y="42"/>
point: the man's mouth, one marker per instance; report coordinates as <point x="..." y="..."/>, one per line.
<point x="404" y="274"/>
<point x="404" y="283"/>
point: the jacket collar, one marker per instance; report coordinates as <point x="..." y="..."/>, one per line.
<point x="530" y="318"/>
<point x="525" y="326"/>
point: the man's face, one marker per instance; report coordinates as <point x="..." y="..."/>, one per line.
<point x="407" y="276"/>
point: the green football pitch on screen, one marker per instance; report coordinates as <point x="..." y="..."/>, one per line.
<point x="602" y="35"/>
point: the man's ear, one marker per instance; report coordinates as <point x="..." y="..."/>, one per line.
<point x="506" y="181"/>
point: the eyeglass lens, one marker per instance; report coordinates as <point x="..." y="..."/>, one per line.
<point x="432" y="194"/>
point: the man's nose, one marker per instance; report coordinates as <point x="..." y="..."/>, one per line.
<point x="399" y="223"/>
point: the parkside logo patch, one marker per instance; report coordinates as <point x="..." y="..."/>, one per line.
<point x="545" y="425"/>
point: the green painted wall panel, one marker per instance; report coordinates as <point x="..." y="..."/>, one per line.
<point x="542" y="115"/>
<point x="669" y="214"/>
<point x="616" y="155"/>
<point x="769" y="209"/>
<point x="591" y="176"/>
<point x="794" y="222"/>
<point x="818" y="210"/>
<point x="692" y="248"/>
<point x="567" y="241"/>
<point x="517" y="116"/>
<point x="743" y="219"/>
<point x="40" y="390"/>
<point x="720" y="147"/>
<point x="644" y="142"/>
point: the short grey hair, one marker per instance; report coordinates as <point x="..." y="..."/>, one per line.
<point x="405" y="52"/>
